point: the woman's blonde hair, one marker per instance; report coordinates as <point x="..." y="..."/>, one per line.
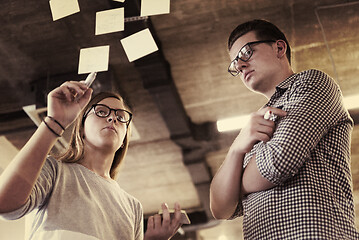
<point x="75" y="150"/>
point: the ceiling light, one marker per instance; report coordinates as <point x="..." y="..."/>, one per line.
<point x="233" y="123"/>
<point x="351" y="102"/>
<point x="236" y="123"/>
<point x="222" y="237"/>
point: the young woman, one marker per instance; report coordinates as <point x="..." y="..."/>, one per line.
<point x="75" y="196"/>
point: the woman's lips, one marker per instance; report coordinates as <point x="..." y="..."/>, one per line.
<point x="111" y="128"/>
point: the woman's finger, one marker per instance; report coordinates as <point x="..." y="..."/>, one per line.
<point x="165" y="215"/>
<point x="150" y="223"/>
<point x="157" y="220"/>
<point x="177" y="215"/>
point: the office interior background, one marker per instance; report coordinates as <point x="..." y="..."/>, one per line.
<point x="177" y="93"/>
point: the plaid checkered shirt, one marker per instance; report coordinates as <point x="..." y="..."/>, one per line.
<point x="308" y="158"/>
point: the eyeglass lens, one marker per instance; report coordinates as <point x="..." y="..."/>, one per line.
<point x="104" y="111"/>
<point x="244" y="54"/>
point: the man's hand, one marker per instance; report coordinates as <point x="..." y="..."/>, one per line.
<point x="257" y="129"/>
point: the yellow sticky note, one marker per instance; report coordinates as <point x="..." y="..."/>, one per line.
<point x="139" y="45"/>
<point x="154" y="7"/>
<point x="94" y="59"/>
<point x="63" y="8"/>
<point x="110" y="21"/>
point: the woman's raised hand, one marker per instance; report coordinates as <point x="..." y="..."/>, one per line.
<point x="66" y="101"/>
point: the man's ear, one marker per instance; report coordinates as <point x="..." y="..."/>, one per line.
<point x="281" y="48"/>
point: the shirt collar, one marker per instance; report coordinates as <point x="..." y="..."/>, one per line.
<point x="281" y="88"/>
<point x="286" y="83"/>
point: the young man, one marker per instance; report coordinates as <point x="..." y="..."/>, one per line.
<point x="288" y="171"/>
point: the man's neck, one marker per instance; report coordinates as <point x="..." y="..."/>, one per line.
<point x="278" y="79"/>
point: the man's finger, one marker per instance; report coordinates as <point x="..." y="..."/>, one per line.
<point x="269" y="111"/>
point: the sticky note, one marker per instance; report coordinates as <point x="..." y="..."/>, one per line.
<point x="110" y="21"/>
<point x="154" y="7"/>
<point x="94" y="59"/>
<point x="63" y="8"/>
<point x="139" y="44"/>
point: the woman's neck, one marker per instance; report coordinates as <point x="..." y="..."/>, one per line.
<point x="98" y="162"/>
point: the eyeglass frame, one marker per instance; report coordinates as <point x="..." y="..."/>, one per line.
<point x="245" y="60"/>
<point x="111" y="109"/>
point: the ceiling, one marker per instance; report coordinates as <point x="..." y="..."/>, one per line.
<point x="177" y="93"/>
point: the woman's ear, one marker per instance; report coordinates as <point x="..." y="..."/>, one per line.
<point x="281" y="48"/>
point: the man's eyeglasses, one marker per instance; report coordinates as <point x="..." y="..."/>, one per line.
<point x="244" y="54"/>
<point x="104" y="111"/>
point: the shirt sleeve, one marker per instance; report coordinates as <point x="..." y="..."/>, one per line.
<point x="313" y="106"/>
<point x="39" y="194"/>
<point x="238" y="212"/>
<point x="139" y="223"/>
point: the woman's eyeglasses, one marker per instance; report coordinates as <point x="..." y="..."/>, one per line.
<point x="104" y="111"/>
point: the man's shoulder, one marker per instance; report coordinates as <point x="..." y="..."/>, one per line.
<point x="313" y="74"/>
<point x="314" y="77"/>
<point x="305" y="78"/>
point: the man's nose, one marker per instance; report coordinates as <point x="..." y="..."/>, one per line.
<point x="240" y="65"/>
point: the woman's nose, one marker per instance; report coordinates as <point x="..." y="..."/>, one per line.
<point x="112" y="117"/>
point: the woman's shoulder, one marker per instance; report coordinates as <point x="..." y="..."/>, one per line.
<point x="52" y="160"/>
<point x="129" y="196"/>
<point x="128" y="201"/>
<point x="51" y="165"/>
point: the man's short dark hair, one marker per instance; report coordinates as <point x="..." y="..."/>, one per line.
<point x="263" y="29"/>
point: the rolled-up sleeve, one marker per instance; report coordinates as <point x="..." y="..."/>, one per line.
<point x="313" y="104"/>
